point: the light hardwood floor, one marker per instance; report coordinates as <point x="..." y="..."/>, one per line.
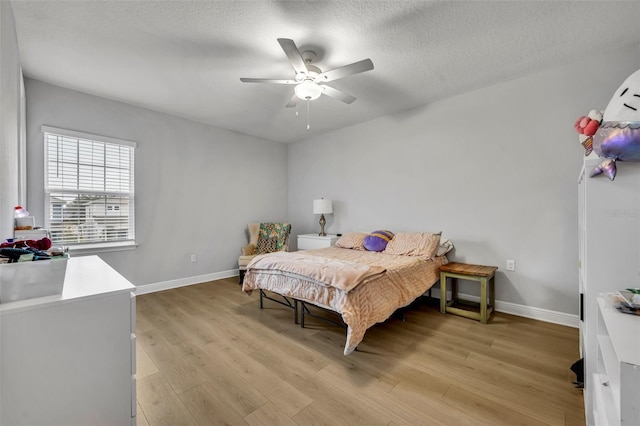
<point x="208" y="355"/>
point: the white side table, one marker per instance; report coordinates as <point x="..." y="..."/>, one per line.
<point x="315" y="241"/>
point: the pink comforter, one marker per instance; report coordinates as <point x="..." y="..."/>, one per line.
<point x="364" y="305"/>
<point x="341" y="274"/>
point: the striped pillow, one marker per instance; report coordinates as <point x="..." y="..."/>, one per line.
<point x="352" y="240"/>
<point x="423" y="244"/>
<point x="377" y="240"/>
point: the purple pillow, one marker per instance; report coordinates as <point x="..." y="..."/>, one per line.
<point x="377" y="240"/>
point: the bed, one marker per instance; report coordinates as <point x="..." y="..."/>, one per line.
<point x="363" y="287"/>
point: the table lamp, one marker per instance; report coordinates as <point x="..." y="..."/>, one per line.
<point x="322" y="207"/>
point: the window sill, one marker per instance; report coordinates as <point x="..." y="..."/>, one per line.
<point x="87" y="249"/>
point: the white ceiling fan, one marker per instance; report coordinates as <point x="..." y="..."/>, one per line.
<point x="310" y="80"/>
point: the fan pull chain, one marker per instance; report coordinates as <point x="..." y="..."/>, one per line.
<point x="296" y="109"/>
<point x="308" y="103"/>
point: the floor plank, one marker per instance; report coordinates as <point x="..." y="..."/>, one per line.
<point x="269" y="415"/>
<point x="160" y="404"/>
<point x="209" y="405"/>
<point x="167" y="358"/>
<point x="236" y="392"/>
<point x="145" y="366"/>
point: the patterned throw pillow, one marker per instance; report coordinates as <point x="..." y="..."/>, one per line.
<point x="279" y="231"/>
<point x="352" y="240"/>
<point x="265" y="245"/>
<point x="377" y="240"/>
<point x="423" y="244"/>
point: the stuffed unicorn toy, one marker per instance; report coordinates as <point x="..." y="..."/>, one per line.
<point x="614" y="135"/>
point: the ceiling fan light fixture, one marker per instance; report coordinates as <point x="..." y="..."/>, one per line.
<point x="309" y="80"/>
<point x="308" y="90"/>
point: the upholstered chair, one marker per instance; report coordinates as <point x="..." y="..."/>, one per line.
<point x="263" y="238"/>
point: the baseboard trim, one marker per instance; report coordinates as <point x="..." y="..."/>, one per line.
<point x="541" y="314"/>
<point x="182" y="282"/>
<point x="532" y="312"/>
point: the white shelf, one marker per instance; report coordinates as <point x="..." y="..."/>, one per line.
<point x="616" y="383"/>
<point x="610" y="368"/>
<point x="622" y="329"/>
<point x="604" y="412"/>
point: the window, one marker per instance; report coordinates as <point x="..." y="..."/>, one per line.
<point x="89" y="189"/>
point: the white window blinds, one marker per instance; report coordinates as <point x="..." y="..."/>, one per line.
<point x="89" y="188"/>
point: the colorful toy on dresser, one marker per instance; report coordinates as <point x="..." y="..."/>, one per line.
<point x="615" y="134"/>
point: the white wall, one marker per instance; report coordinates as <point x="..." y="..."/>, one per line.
<point x="10" y="80"/>
<point x="197" y="186"/>
<point x="10" y="83"/>
<point x="495" y="170"/>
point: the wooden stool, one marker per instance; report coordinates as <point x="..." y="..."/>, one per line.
<point x="483" y="274"/>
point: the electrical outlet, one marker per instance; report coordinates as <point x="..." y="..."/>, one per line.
<point x="511" y="265"/>
<point x="194" y="258"/>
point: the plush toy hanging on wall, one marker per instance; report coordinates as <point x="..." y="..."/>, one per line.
<point x="614" y="135"/>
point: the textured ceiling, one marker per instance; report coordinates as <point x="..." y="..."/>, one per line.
<point x="186" y="57"/>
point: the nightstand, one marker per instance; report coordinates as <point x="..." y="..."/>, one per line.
<point x="485" y="275"/>
<point x="315" y="241"/>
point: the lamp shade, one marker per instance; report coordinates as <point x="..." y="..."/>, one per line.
<point x="322" y="206"/>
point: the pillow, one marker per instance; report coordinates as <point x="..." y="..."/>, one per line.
<point x="352" y="240"/>
<point x="423" y="244"/>
<point x="445" y="247"/>
<point x="377" y="240"/>
<point x="279" y="231"/>
<point x="266" y="245"/>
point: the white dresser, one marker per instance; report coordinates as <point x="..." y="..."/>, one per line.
<point x="315" y="241"/>
<point x="70" y="359"/>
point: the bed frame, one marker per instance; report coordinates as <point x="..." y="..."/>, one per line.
<point x="288" y="302"/>
<point x="301" y="309"/>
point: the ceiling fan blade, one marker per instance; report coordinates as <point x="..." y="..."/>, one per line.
<point x="354" y="68"/>
<point x="293" y="54"/>
<point x="292" y="102"/>
<point x="335" y="93"/>
<point x="266" y="80"/>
